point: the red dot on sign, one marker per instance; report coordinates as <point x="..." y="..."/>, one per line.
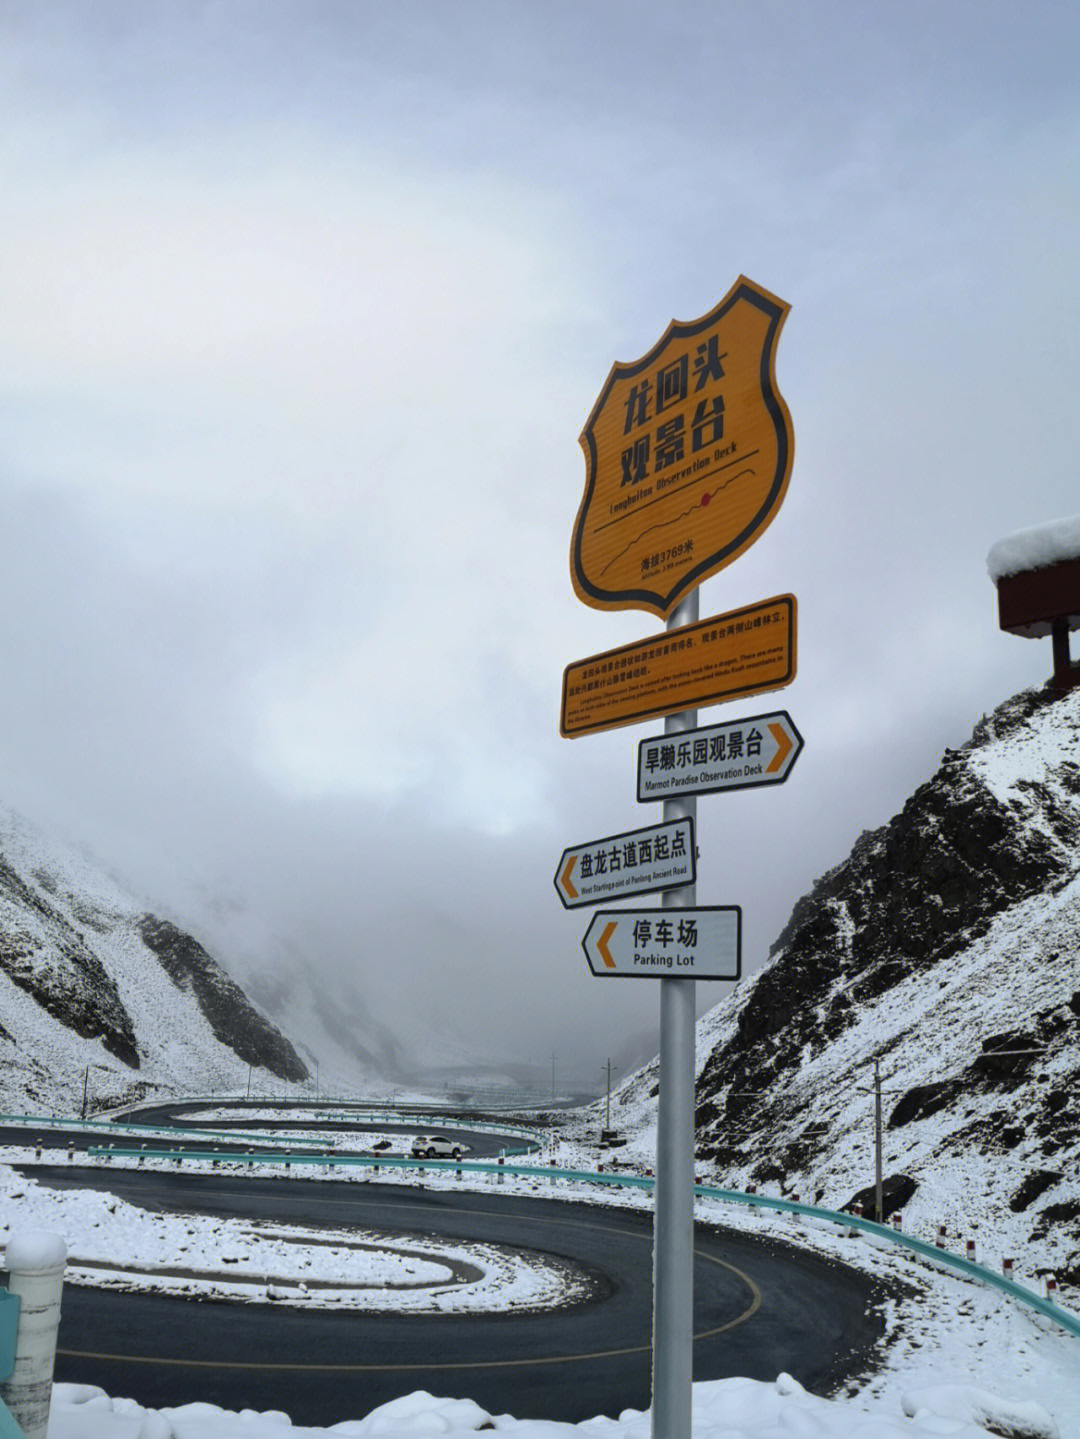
<point x="706" y="498"/>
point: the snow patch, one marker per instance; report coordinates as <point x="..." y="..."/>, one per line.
<point x="1012" y="1420"/>
<point x="1035" y="548"/>
<point x="722" y="1409"/>
<point x="35" y="1251"/>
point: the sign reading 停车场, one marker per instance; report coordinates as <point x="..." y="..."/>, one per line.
<point x="744" y="753"/>
<point x="658" y="856"/>
<point x="688" y="455"/>
<point x="742" y="652"/>
<point x="701" y="943"/>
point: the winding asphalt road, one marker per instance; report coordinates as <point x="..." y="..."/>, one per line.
<point x="760" y="1307"/>
<point x="309" y="1116"/>
<point x="479" y="1143"/>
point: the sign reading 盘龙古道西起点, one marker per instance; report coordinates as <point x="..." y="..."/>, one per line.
<point x="658" y="856"/>
<point x="688" y="454"/>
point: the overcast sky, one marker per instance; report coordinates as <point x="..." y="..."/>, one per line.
<point x="302" y="311"/>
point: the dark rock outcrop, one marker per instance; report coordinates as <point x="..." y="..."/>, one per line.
<point x="229" y="1012"/>
<point x="45" y="955"/>
<point x="1065" y="1214"/>
<point x="896" y="1190"/>
<point x="923" y="1100"/>
<point x="1006" y="1059"/>
<point x="1032" y="1187"/>
<point x="923" y="887"/>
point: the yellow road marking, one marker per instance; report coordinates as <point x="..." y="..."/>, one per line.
<point x="237" y="1364"/>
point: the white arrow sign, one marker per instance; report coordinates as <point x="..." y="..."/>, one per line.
<point x="642" y="861"/>
<point x="702" y="943"/>
<point x="748" y="752"/>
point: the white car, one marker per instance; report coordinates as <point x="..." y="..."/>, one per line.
<point x="435" y="1146"/>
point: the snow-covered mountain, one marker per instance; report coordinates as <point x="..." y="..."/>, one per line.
<point x="945" y="947"/>
<point x="179" y="996"/>
<point x="96" y="988"/>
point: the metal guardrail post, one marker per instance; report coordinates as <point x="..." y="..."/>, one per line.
<point x="35" y="1262"/>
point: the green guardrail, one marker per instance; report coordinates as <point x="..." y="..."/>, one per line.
<point x="105" y="1126"/>
<point x="554" y="1173"/>
<point x="230" y="1136"/>
<point x="326" y="1107"/>
<point x="436" y="1121"/>
<point x="427" y="1121"/>
<point x="10" y="1305"/>
<point x="945" y="1257"/>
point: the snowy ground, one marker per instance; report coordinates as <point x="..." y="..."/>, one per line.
<point x="960" y="1360"/>
<point x="722" y="1409"/>
<point x="198" y="1256"/>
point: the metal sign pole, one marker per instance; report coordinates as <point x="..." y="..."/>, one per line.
<point x="673" y="1231"/>
<point x="879" y="1209"/>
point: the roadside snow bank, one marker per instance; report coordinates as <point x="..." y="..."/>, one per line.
<point x="116" y="1245"/>
<point x="723" y="1409"/>
<point x="975" y="1406"/>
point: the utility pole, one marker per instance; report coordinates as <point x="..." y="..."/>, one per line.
<point x="879" y="1208"/>
<point x="85" y="1088"/>
<point x="607" y="1109"/>
<point x="249" y="1082"/>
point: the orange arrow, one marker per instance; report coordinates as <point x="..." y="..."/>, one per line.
<point x="565" y="877"/>
<point x="783" y="747"/>
<point x="602" y="943"/>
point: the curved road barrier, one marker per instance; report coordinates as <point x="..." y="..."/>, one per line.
<point x="262" y="1135"/>
<point x="945" y="1257"/>
<point x="105" y="1126"/>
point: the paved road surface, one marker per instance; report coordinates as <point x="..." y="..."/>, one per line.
<point x="478" y="1143"/>
<point x="760" y="1308"/>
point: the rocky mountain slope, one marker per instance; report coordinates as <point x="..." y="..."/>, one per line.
<point x="95" y="988"/>
<point x="180" y="997"/>
<point x="945" y="948"/>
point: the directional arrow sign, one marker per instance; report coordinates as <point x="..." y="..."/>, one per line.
<point x="704" y="943"/>
<point x="642" y="861"/>
<point x="741" y="754"/>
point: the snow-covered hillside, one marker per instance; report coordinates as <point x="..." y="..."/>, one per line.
<point x="945" y="947"/>
<point x="96" y="988"/>
<point x="179" y="995"/>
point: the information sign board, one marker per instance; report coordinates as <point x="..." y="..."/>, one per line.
<point x="744" y="753"/>
<point x="742" y="652"/>
<point x="642" y="861"/>
<point x="701" y="943"/>
<point x="688" y="453"/>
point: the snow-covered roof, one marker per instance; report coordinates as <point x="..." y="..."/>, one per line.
<point x="1036" y="548"/>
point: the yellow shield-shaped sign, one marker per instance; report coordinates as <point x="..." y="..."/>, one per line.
<point x="688" y="453"/>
